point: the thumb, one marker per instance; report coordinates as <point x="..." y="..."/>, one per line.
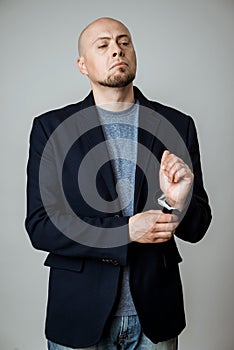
<point x="164" y="156"/>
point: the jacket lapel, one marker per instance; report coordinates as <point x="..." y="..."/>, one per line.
<point x="149" y="122"/>
<point x="96" y="137"/>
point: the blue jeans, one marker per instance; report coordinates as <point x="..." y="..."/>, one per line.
<point x="125" y="334"/>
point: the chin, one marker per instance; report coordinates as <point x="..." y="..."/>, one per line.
<point x="118" y="80"/>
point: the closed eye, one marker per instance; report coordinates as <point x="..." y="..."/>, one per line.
<point x="125" y="43"/>
<point x="102" y="46"/>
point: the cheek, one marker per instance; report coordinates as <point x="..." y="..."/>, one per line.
<point x="96" y="66"/>
<point x="132" y="58"/>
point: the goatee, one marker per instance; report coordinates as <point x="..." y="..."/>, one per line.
<point x="118" y="80"/>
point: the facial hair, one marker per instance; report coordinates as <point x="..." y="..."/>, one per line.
<point x="118" y="80"/>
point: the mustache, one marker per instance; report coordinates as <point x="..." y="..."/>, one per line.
<point x="119" y="63"/>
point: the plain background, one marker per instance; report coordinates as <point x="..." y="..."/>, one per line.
<point x="185" y="55"/>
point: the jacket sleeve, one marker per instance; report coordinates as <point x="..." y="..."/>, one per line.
<point x="198" y="216"/>
<point x="40" y="221"/>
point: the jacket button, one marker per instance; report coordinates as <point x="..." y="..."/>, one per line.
<point x="115" y="262"/>
<point x="116" y="216"/>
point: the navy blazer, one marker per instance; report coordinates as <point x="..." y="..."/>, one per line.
<point x="84" y="278"/>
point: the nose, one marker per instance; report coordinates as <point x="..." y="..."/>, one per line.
<point x="117" y="51"/>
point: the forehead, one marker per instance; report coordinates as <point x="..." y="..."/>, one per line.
<point x="104" y="29"/>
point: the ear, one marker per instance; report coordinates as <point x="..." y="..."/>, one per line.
<point x="81" y="65"/>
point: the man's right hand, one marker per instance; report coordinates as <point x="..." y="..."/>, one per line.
<point x="152" y="226"/>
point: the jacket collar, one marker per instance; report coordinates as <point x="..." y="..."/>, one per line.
<point x="89" y="100"/>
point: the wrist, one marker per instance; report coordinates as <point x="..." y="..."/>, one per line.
<point x="168" y="205"/>
<point x="131" y="228"/>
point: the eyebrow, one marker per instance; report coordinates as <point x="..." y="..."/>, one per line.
<point x="109" y="38"/>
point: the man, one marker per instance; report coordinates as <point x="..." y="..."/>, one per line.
<point x="114" y="276"/>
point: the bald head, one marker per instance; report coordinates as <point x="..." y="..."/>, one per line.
<point x="106" y="54"/>
<point x="95" y="26"/>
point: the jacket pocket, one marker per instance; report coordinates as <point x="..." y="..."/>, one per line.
<point x="64" y="262"/>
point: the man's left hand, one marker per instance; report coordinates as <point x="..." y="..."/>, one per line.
<point x="176" y="180"/>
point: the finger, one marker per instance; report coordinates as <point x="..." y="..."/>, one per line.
<point x="168" y="227"/>
<point x="155" y="238"/>
<point x="163" y="236"/>
<point x="172" y="164"/>
<point x="184" y="173"/>
<point x="164" y="157"/>
<point x="175" y="168"/>
<point x="169" y="159"/>
<point x="160" y="240"/>
<point x="152" y="241"/>
<point x="181" y="173"/>
<point x="165" y="218"/>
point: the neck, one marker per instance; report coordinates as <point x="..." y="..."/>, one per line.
<point x="113" y="99"/>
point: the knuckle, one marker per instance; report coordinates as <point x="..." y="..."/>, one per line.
<point x="168" y="235"/>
